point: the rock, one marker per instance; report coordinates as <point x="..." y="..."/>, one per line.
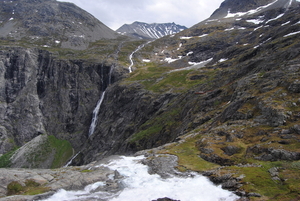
<point x="231" y="184"/>
<point x="231" y="150"/>
<point x="294" y="87"/>
<point x="253" y="195"/>
<point x="26" y="156"/>
<point x="163" y="164"/>
<point x="271" y="154"/>
<point x="165" y="199"/>
<point x="69" y="178"/>
<point x="39" y="179"/>
<point x="295" y="129"/>
<point x="214" y="158"/>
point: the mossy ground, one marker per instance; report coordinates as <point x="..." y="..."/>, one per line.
<point x="63" y="151"/>
<point x="5" y="159"/>
<point x="29" y="188"/>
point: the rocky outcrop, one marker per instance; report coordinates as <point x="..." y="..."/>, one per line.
<point x="272" y="154"/>
<point x="68" y="178"/>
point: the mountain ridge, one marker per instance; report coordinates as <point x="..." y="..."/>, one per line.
<point x="142" y="30"/>
<point x="51" y="23"/>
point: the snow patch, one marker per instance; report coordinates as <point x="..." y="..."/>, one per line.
<point x="185" y="37"/>
<point x="203" y="35"/>
<point x="222" y="60"/>
<point x="189" y="53"/>
<point x="285" y="23"/>
<point x="170" y="60"/>
<point x="291" y="34"/>
<point x="239" y="14"/>
<point x="279" y="16"/>
<point x="255" y="21"/>
<point x="230" y="29"/>
<point x="194" y="65"/>
<point x="146" y="60"/>
<point x="258" y="28"/>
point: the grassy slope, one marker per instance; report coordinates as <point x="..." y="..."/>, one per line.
<point x="157" y="78"/>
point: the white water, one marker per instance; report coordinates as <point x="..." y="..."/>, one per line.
<point x="71" y="160"/>
<point x="131" y="55"/>
<point x="141" y="186"/>
<point x="95" y="114"/>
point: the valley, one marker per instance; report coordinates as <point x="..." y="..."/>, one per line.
<point x="222" y="97"/>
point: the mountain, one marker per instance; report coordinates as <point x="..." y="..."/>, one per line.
<point x="142" y="30"/>
<point x="51" y="24"/>
<point x="249" y="7"/>
<point x="221" y="96"/>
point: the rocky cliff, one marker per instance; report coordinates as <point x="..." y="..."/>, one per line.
<point x="41" y="94"/>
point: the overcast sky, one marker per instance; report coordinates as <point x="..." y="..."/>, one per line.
<point x="115" y="13"/>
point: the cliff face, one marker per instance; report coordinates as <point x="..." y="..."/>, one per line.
<point x="44" y="95"/>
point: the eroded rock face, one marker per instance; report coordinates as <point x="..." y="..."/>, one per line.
<point x="40" y="94"/>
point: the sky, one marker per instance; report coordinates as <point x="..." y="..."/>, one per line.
<point x="115" y="13"/>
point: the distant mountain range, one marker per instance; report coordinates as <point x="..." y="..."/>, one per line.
<point x="143" y="30"/>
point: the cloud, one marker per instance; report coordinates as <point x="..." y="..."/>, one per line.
<point x="115" y="13"/>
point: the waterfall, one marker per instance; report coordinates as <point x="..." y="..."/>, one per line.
<point x="71" y="160"/>
<point x="95" y="114"/>
<point x="97" y="108"/>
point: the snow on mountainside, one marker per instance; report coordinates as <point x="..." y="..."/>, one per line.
<point x="150" y="31"/>
<point x="236" y="8"/>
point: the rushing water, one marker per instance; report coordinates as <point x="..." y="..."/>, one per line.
<point x="95" y="114"/>
<point x="131" y="55"/>
<point x="141" y="186"/>
<point x="99" y="103"/>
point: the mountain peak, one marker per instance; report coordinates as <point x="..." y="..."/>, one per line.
<point x="144" y="30"/>
<point x="249" y="6"/>
<point x="58" y="23"/>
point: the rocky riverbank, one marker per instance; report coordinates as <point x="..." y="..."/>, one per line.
<point x="19" y="184"/>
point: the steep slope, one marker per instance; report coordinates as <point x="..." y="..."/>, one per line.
<point x="223" y="96"/>
<point x="142" y="30"/>
<point x="50" y="23"/>
<point x="225" y="92"/>
<point x="238" y="8"/>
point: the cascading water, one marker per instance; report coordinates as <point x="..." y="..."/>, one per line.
<point x="99" y="103"/>
<point x="139" y="185"/>
<point x="131" y="55"/>
<point x="95" y="114"/>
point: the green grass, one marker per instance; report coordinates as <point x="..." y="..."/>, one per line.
<point x="5" y="159"/>
<point x="63" y="151"/>
<point x="188" y="156"/>
<point x="30" y="188"/>
<point x="146" y="133"/>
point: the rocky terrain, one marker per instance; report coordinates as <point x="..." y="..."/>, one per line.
<point x="140" y="30"/>
<point x="50" y="23"/>
<point x="222" y="96"/>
